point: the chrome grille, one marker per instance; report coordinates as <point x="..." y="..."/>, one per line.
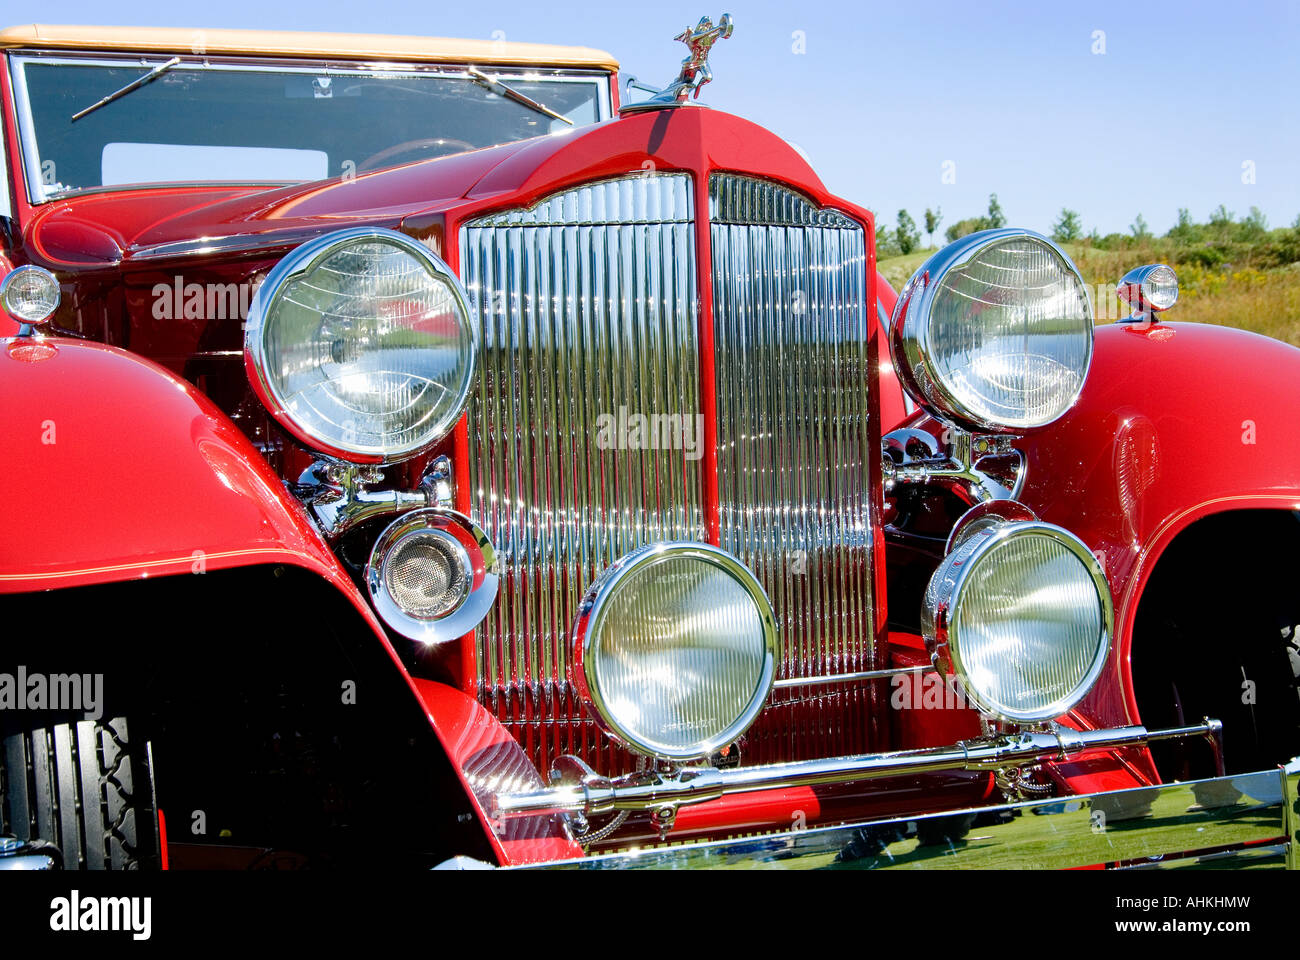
<point x="588" y="305"/>
<point x="791" y="361"/>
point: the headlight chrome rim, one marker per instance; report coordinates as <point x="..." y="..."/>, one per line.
<point x="14" y="277"/>
<point x="909" y="334"/>
<point x="586" y="630"/>
<point x="302" y="259"/>
<point x="471" y="548"/>
<point x="942" y="603"/>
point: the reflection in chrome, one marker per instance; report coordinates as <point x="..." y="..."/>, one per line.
<point x="1022" y="614"/>
<point x="1148" y="290"/>
<point x="587" y="302"/>
<point x="978" y="468"/>
<point x="1159" y="827"/>
<point x="340" y="495"/>
<point x="653" y="789"/>
<point x="432" y="575"/>
<point x="994" y="331"/>
<point x="794" y="455"/>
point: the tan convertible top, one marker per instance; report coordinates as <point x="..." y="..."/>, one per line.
<point x="349" y="46"/>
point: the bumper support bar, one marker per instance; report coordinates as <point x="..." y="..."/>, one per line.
<point x="662" y="791"/>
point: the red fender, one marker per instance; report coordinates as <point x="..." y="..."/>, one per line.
<point x="1176" y="422"/>
<point x="8" y="327"/>
<point x="124" y="471"/>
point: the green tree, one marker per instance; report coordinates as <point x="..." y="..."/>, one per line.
<point x="964" y="227"/>
<point x="1185" y="230"/>
<point x="1068" y="227"/>
<point x="1254" y="224"/>
<point x="932" y="220"/>
<point x="1221" y="217"/>
<point x="996" y="218"/>
<point x="909" y="238"/>
<point x="886" y="245"/>
<point x="1139" y="228"/>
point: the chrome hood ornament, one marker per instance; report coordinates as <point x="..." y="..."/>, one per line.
<point x="695" y="72"/>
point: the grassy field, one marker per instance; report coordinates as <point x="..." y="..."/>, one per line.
<point x="1250" y="295"/>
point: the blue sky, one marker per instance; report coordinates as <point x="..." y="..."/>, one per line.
<point x="1188" y="102"/>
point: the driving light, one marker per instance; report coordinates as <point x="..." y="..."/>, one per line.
<point x="432" y="575"/>
<point x="995" y="331"/>
<point x="362" y="344"/>
<point x="29" y="294"/>
<point x="1149" y="289"/>
<point x="1021" y="613"/>
<point x="676" y="649"/>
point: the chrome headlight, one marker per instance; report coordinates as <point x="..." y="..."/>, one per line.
<point x="676" y="646"/>
<point x="1021" y="613"/>
<point x="995" y="331"/>
<point x="29" y="294"/>
<point x="362" y="344"/>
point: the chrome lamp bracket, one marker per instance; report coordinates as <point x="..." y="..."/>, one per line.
<point x="977" y="467"/>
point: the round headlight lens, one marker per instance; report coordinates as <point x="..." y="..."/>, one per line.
<point x="677" y="647"/>
<point x="995" y="331"/>
<point x="362" y="344"/>
<point x="29" y="294"/>
<point x="1022" y="614"/>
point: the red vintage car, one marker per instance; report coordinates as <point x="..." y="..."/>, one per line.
<point x="429" y="458"/>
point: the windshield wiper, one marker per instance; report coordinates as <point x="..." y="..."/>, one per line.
<point x="499" y="88"/>
<point x="153" y="74"/>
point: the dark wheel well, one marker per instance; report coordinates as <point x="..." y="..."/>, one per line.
<point x="1216" y="634"/>
<point x="275" y="719"/>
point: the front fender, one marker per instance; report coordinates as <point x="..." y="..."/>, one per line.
<point x="119" y="470"/>
<point x="1176" y="422"/>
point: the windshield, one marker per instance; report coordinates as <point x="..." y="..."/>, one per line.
<point x="211" y="122"/>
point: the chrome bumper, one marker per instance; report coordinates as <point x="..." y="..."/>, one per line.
<point x="1247" y="820"/>
<point x="578" y="790"/>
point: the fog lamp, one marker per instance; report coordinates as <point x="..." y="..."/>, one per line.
<point x="1021" y="614"/>
<point x="676" y="645"/>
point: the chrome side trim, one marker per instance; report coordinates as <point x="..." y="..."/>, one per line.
<point x="794" y="458"/>
<point x="588" y="306"/>
<point x="202" y="246"/>
<point x="6" y="201"/>
<point x="1178" y="825"/>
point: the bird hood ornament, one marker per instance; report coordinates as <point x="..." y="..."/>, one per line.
<point x="695" y="72"/>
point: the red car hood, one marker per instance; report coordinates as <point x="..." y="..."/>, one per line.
<point x="128" y="225"/>
<point x="138" y="226"/>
